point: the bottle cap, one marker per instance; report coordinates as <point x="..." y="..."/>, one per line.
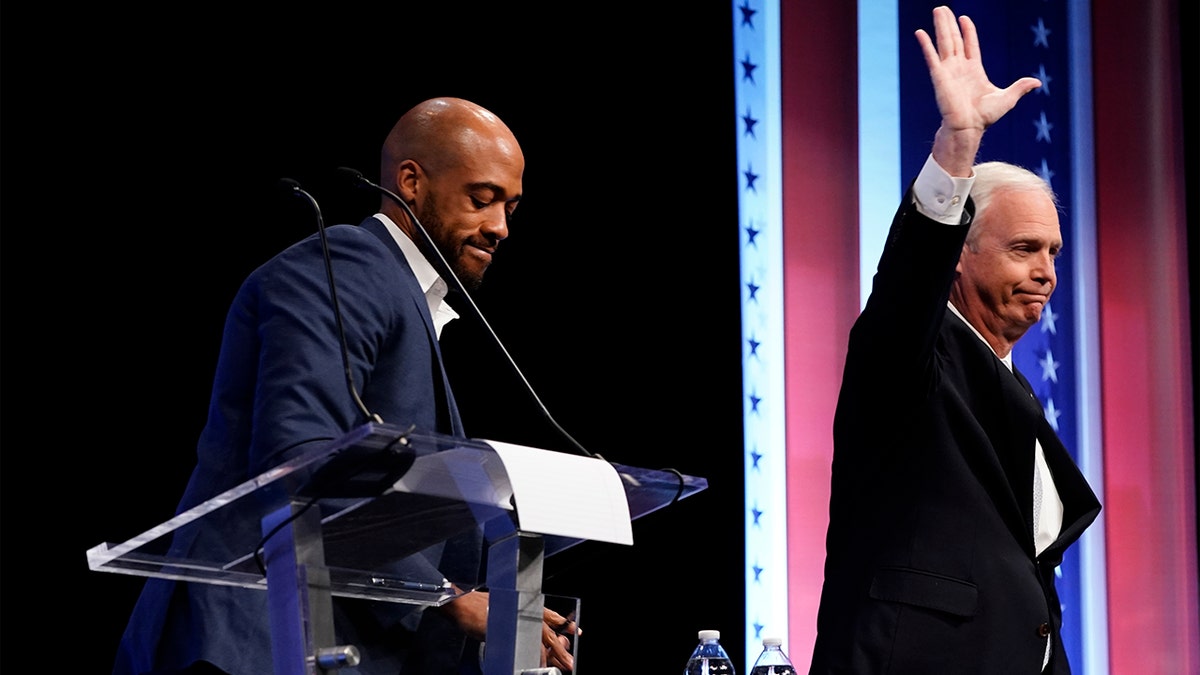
<point x="709" y="635"/>
<point x="775" y="641"/>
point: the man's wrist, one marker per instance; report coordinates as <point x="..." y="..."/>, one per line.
<point x="940" y="196"/>
<point x="954" y="150"/>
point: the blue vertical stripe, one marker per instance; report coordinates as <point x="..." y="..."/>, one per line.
<point x="1081" y="219"/>
<point x="880" y="185"/>
<point x="1034" y="36"/>
<point x="760" y="222"/>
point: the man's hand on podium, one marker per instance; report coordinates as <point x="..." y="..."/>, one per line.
<point x="558" y="637"/>
<point x="470" y="611"/>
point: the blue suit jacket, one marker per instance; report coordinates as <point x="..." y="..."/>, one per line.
<point x="280" y="390"/>
<point x="930" y="561"/>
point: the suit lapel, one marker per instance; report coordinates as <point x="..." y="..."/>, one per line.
<point x="1002" y="408"/>
<point x="1080" y="505"/>
<point x="447" y="410"/>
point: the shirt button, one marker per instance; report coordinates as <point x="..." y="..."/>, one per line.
<point x="955" y="200"/>
<point x="1044" y="630"/>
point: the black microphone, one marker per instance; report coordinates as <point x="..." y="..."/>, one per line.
<point x="356" y="177"/>
<point x="292" y="187"/>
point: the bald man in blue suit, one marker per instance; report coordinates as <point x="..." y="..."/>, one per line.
<point x="281" y="390"/>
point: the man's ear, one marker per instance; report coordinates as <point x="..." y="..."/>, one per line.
<point x="410" y="180"/>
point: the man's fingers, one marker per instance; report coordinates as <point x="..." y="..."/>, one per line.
<point x="949" y="40"/>
<point x="927" y="48"/>
<point x="1023" y="86"/>
<point x="970" y="38"/>
<point x="558" y="652"/>
<point x="1014" y="92"/>
<point x="558" y="623"/>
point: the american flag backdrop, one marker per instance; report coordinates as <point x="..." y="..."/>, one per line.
<point x="835" y="114"/>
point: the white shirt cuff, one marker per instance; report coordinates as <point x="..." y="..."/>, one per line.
<point x="939" y="195"/>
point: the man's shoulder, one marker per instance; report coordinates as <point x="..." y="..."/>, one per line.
<point x="343" y="239"/>
<point x="356" y="257"/>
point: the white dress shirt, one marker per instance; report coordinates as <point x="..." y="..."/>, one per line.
<point x="432" y="284"/>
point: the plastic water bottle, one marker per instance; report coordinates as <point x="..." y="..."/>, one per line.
<point x="772" y="660"/>
<point x="709" y="657"/>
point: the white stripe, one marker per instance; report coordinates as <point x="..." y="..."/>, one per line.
<point x="1093" y="589"/>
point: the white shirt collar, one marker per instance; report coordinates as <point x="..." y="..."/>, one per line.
<point x="431" y="283"/>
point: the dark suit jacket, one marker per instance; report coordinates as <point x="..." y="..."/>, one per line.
<point x="279" y="391"/>
<point x="930" y="565"/>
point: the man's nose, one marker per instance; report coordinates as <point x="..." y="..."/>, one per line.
<point x="1043" y="270"/>
<point x="496" y="226"/>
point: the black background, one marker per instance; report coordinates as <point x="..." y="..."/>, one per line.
<point x="142" y="150"/>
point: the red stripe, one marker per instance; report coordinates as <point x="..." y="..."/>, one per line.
<point x="819" y="77"/>
<point x="1149" y="434"/>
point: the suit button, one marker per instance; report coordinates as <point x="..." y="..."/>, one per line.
<point x="1044" y="630"/>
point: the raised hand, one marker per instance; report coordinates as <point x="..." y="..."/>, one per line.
<point x="968" y="101"/>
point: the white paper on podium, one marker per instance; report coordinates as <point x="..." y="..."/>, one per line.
<point x="566" y="495"/>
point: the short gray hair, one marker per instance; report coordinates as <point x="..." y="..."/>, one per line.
<point x="992" y="178"/>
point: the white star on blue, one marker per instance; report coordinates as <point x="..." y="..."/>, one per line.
<point x="1041" y="34"/>
<point x="1043" y="128"/>
<point x="1046" y="173"/>
<point x="1048" y="318"/>
<point x="1041" y="75"/>
<point x="1052" y="414"/>
<point x="1049" y="367"/>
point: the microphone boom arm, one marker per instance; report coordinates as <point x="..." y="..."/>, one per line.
<point x="294" y="187"/>
<point x="358" y="179"/>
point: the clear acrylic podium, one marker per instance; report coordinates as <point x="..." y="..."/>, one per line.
<point x="356" y="518"/>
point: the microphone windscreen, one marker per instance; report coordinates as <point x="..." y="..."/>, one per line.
<point x="352" y="175"/>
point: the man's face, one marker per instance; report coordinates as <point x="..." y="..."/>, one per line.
<point x="1006" y="275"/>
<point x="467" y="211"/>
